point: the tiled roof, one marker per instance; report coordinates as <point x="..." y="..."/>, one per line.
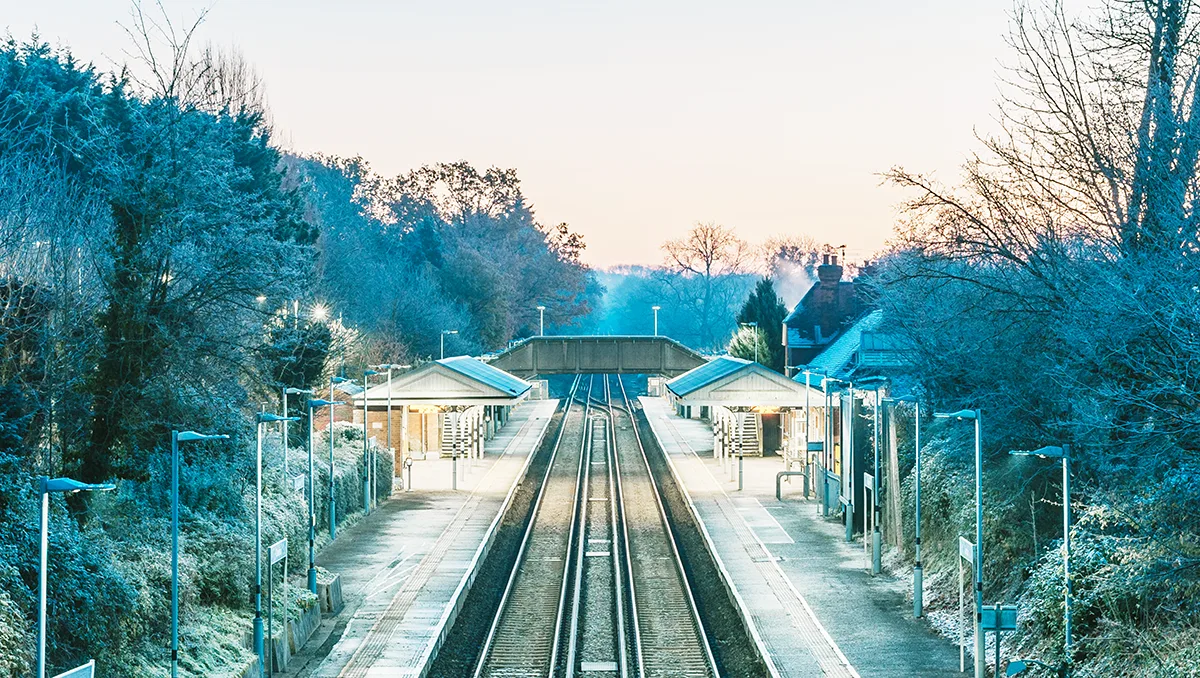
<point x="717" y="368"/>
<point x="486" y="374"/>
<point x="838" y="355"/>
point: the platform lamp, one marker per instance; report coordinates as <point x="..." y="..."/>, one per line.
<point x="444" y="333"/>
<point x="976" y="416"/>
<point x="1063" y="453"/>
<point x="389" y="367"/>
<point x="262" y="419"/>
<point x="541" y="321"/>
<point x="46" y="486"/>
<point x="289" y="390"/>
<point x="333" y="381"/>
<point x="368" y="466"/>
<point x="312" y="497"/>
<point x="176" y="438"/>
<point x="656" y="308"/>
<point x="918" y="569"/>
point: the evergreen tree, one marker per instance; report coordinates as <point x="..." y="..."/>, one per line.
<point x="766" y="308"/>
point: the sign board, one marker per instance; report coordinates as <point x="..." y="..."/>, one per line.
<point x="88" y="670"/>
<point x="966" y="550"/>
<point x="277" y="551"/>
<point x="869" y="482"/>
<point x="818" y="446"/>
<point x="999" y="618"/>
<point x="297" y="483"/>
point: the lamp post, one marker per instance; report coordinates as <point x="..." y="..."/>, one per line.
<point x="367" y="465"/>
<point x="541" y="321"/>
<point x="444" y="333"/>
<point x="45" y="487"/>
<point x="176" y="438"/>
<point x="808" y="424"/>
<point x="976" y="416"/>
<point x="289" y="390"/>
<point x="826" y="381"/>
<point x="312" y="498"/>
<point x="1063" y="453"/>
<point x="333" y="381"/>
<point x="262" y="419"/>
<point x="389" y="367"/>
<point x="918" y="569"/>
<point x="656" y="309"/>
<point x="755" y="326"/>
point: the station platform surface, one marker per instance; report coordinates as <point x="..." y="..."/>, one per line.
<point x="814" y="607"/>
<point x="404" y="566"/>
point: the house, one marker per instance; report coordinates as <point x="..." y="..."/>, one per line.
<point x="828" y="307"/>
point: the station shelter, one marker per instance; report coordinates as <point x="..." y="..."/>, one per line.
<point x="754" y="411"/>
<point x="446" y="407"/>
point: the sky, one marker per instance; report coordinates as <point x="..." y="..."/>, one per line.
<point x="631" y="121"/>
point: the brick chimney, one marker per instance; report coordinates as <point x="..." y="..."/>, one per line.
<point x="829" y="273"/>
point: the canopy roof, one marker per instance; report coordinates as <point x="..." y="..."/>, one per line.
<point x="733" y="382"/>
<point x="461" y="380"/>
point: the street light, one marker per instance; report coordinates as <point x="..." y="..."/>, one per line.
<point x="289" y="390"/>
<point x="333" y="381"/>
<point x="176" y="438"/>
<point x="976" y="416"/>
<point x="755" y="326"/>
<point x="918" y="569"/>
<point x="262" y="419"/>
<point x="312" y="498"/>
<point x="541" y="321"/>
<point x="808" y="423"/>
<point x="367" y="465"/>
<point x="389" y="367"/>
<point x="656" y="309"/>
<point x="45" y="487"/>
<point x="444" y="333"/>
<point x="1064" y="453"/>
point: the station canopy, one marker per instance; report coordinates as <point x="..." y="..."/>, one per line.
<point x="732" y="382"/>
<point x="461" y="380"/>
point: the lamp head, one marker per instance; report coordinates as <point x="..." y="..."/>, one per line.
<point x="1049" y="451"/>
<point x="339" y="380"/>
<point x="656" y="307"/>
<point x="961" y="414"/>
<point x="320" y="402"/>
<point x="449" y="331"/>
<point x="268" y="418"/>
<point x="71" y="486"/>
<point x="391" y="366"/>
<point x="291" y="390"/>
<point x="541" y="308"/>
<point x="369" y="373"/>
<point x="185" y="436"/>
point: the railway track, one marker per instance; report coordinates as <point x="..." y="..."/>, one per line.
<point x="598" y="589"/>
<point x="669" y="637"/>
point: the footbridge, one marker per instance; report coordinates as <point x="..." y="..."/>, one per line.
<point x="597" y="354"/>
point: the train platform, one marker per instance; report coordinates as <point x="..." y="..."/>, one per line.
<point x="407" y="566"/>
<point x="813" y="606"/>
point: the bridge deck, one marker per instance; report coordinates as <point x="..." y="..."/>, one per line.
<point x="814" y="608"/>
<point x="405" y="572"/>
<point x="597" y="354"/>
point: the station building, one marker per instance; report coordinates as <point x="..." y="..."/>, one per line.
<point x="754" y="410"/>
<point x="446" y="407"/>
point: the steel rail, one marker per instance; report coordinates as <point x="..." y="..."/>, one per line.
<point x="708" y="658"/>
<point x="503" y="607"/>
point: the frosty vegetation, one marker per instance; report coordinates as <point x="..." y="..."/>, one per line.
<point x="1057" y="288"/>
<point x="164" y="265"/>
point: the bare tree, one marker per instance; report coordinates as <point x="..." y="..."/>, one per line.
<point x="710" y="253"/>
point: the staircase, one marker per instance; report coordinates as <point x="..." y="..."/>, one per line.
<point x="453" y="437"/>
<point x="747" y="434"/>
